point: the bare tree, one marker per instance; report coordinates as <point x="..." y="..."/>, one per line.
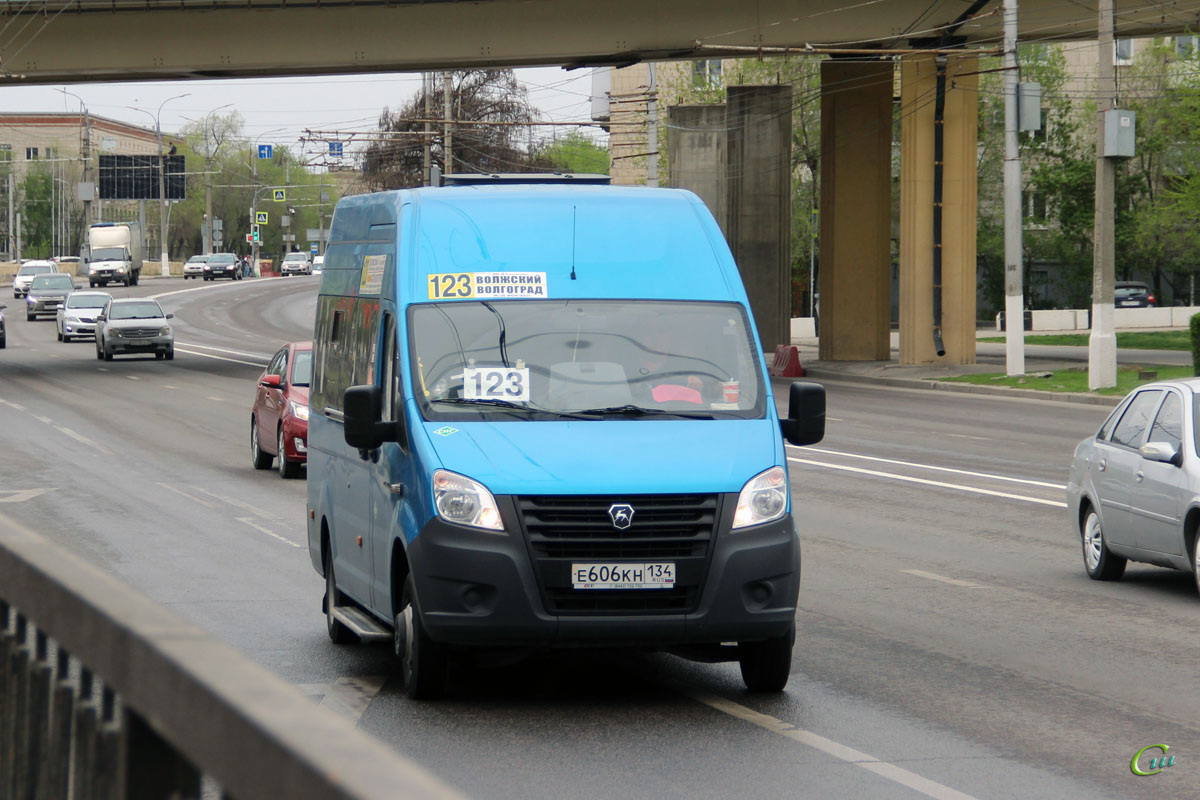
<point x="478" y="95"/>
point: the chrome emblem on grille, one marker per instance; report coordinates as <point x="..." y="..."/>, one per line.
<point x="621" y="515"/>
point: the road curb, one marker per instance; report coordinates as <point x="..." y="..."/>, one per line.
<point x="929" y="384"/>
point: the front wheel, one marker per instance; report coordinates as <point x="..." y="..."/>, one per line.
<point x="1098" y="560"/>
<point x="338" y="633"/>
<point x="258" y="458"/>
<point x="1195" y="544"/>
<point x="422" y="660"/>
<point x="766" y="666"/>
<point x="287" y="469"/>
<point x="108" y="354"/>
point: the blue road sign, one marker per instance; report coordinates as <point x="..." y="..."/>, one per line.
<point x="335" y="149"/>
<point x="314" y="248"/>
<point x="265" y="150"/>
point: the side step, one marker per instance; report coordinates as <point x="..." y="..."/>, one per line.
<point x="361" y="624"/>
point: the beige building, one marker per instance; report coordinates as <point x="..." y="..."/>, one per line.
<point x="67" y="146"/>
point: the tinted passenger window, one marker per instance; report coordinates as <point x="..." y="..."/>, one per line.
<point x="1136" y="419"/>
<point x="1168" y="425"/>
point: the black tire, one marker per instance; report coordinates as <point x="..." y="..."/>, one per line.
<point x="92" y="284"/>
<point x="99" y="352"/>
<point x="59" y="335"/>
<point x="3" y="340"/>
<point x="422" y="660"/>
<point x="108" y="354"/>
<point x="258" y="458"/>
<point x="766" y="666"/>
<point x="1098" y="560"/>
<point x="170" y="354"/>
<point x="287" y="469"/>
<point x="30" y="317"/>
<point x="159" y="355"/>
<point x="338" y="633"/>
<point x="1195" y="544"/>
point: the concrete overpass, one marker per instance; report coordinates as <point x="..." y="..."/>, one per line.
<point x="61" y="41"/>
<point x="70" y="41"/>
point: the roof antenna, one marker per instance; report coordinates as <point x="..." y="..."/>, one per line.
<point x="573" y="243"/>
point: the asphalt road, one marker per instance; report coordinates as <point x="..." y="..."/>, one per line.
<point x="949" y="646"/>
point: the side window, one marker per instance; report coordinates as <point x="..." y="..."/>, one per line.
<point x="276" y="365"/>
<point x="1107" y="428"/>
<point x="388" y="369"/>
<point x="283" y="367"/>
<point x="1168" y="425"/>
<point x="1136" y="419"/>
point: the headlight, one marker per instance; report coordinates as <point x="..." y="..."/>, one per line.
<point x="120" y="269"/>
<point x="207" y="267"/>
<point x="113" y="332"/>
<point x="299" y="410"/>
<point x="464" y="501"/>
<point x="763" y="499"/>
<point x="165" y="331"/>
<point x="91" y="270"/>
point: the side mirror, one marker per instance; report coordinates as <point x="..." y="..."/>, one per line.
<point x="79" y="286"/>
<point x="361" y="411"/>
<point x="806" y="414"/>
<point x="270" y="381"/>
<point x="170" y="316"/>
<point x="1162" y="452"/>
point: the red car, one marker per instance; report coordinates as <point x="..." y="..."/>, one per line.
<point x="279" y="419"/>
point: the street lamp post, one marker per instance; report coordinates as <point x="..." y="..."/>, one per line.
<point x="208" y="157"/>
<point x="85" y="155"/>
<point x="162" y="181"/>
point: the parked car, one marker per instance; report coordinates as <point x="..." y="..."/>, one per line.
<point x="194" y="267"/>
<point x="134" y="325"/>
<point x="47" y="293"/>
<point x="1132" y="294"/>
<point x="222" y="265"/>
<point x="318" y="265"/>
<point x="279" y="418"/>
<point x="1133" y="492"/>
<point x="77" y="316"/>
<point x="296" y="264"/>
<point x="27" y="272"/>
<point x="3" y="335"/>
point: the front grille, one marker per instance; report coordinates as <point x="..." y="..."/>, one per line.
<point x="562" y="530"/>
<point x="139" y="333"/>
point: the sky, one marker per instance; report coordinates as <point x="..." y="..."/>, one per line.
<point x="279" y="110"/>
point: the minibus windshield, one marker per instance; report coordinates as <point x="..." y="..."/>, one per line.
<point x="584" y="359"/>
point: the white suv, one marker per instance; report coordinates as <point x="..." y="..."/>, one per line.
<point x="28" y="271"/>
<point x="296" y="264"/>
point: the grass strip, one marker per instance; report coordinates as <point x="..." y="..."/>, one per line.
<point x="1130" y="340"/>
<point x="1076" y="380"/>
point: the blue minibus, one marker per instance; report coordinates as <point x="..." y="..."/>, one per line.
<point x="541" y="419"/>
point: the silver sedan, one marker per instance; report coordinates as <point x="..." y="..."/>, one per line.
<point x="1134" y="489"/>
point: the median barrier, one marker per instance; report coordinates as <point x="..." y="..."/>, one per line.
<point x="104" y="693"/>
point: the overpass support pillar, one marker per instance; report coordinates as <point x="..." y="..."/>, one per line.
<point x="918" y="226"/>
<point x="855" y="220"/>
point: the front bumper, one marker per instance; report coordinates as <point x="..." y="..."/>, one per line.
<point x="47" y="306"/>
<point x="295" y="438"/>
<point x="79" y="328"/>
<point x="221" y="273"/>
<point x="481" y="588"/>
<point x="150" y="344"/>
<point x="108" y="275"/>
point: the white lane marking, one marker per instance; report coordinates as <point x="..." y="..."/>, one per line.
<point x="168" y="386"/>
<point x="79" y="437"/>
<point x="20" y="495"/>
<point x="965" y="436"/>
<point x="839" y="751"/>
<point x="40" y="418"/>
<point x="215" y="399"/>
<point x="834" y="419"/>
<point x="267" y="531"/>
<point x="942" y="578"/>
<point x="11" y="404"/>
<point x="191" y="497"/>
<point x="222" y="358"/>
<point x="258" y="512"/>
<point x="133" y="377"/>
<point x="877" y="459"/>
<point x="264" y="356"/>
<point x="193" y="289"/>
<point x="351" y="696"/>
<point x="103" y="369"/>
<point x="940" y="484"/>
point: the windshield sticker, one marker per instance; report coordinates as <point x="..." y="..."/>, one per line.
<point x="496" y="383"/>
<point x="372" y="274"/>
<point x="446" y="430"/>
<point x="487" y="285"/>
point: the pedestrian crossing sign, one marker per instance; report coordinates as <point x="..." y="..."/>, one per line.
<point x="280" y="195"/>
<point x="260" y="218"/>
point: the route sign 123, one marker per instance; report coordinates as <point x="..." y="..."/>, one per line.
<point x="496" y="383"/>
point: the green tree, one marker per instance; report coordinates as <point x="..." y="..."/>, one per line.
<point x="36" y="217"/>
<point x="574" y="152"/>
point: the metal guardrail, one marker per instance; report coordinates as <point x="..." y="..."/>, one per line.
<point x="105" y="694"/>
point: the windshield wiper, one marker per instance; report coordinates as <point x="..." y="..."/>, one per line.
<point x="629" y="410"/>
<point x="507" y="405"/>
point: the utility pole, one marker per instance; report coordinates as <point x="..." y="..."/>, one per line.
<point x="652" y="128"/>
<point x="12" y="231"/>
<point x="428" y="131"/>
<point x="447" y="88"/>
<point x="1014" y="295"/>
<point x="1102" y="344"/>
